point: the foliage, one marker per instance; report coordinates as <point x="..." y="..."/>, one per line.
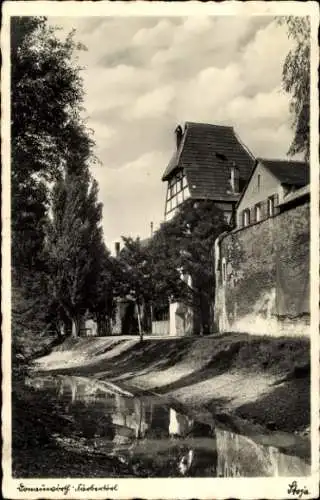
<point x="187" y="243"/>
<point x="47" y="95"/>
<point x="101" y="301"/>
<point x="135" y="268"/>
<point x="296" y="82"/>
<point x="74" y="245"/>
<point x="133" y="276"/>
<point x="46" y="124"/>
<point x="178" y="262"/>
<point x="50" y="145"/>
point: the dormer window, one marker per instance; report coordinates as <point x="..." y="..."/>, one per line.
<point x="221" y="156"/>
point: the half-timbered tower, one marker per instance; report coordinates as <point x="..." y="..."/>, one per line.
<point x="209" y="163"/>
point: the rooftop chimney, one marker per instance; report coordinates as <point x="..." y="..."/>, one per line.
<point x="179" y="135"/>
<point x="117" y="248"/>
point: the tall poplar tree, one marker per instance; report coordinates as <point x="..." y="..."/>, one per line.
<point x="74" y="246"/>
<point x="47" y="133"/>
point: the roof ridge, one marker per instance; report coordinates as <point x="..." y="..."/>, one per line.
<point x="281" y="160"/>
<point x="187" y="123"/>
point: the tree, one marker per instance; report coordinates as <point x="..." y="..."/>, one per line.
<point x="46" y="123"/>
<point x="47" y="95"/>
<point x="47" y="133"/>
<point x="135" y="279"/>
<point x="102" y="304"/>
<point x="74" y="245"/>
<point x="296" y="82"/>
<point x="177" y="263"/>
<point x="183" y="258"/>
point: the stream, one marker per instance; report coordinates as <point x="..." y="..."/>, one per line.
<point x="150" y="437"/>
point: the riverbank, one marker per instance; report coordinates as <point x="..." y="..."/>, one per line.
<point x="260" y="380"/>
<point x="254" y="387"/>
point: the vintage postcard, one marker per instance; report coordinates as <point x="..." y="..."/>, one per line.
<point x="160" y="249"/>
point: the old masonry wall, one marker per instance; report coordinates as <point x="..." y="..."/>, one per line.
<point x="262" y="276"/>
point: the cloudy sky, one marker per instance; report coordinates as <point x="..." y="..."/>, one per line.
<point x="144" y="75"/>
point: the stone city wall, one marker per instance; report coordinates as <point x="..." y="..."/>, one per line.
<point x="262" y="276"/>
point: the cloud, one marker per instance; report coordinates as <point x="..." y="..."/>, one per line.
<point x="144" y="75"/>
<point x="217" y="48"/>
<point x="208" y="90"/>
<point x="103" y="135"/>
<point x="157" y="36"/>
<point x="268" y="142"/>
<point x="152" y="104"/>
<point x="133" y="196"/>
<point x="263" y="59"/>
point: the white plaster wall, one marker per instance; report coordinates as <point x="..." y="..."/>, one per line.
<point x="269" y="186"/>
<point x="92" y="326"/>
<point x="262" y="320"/>
<point x="258" y="325"/>
<point x="173" y="306"/>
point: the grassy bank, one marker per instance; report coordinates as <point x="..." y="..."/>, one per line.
<point x="263" y="380"/>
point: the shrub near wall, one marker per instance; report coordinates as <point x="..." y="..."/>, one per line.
<point x="266" y="289"/>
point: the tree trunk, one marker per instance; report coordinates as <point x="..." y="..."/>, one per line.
<point x="109" y="325"/>
<point x="205" y="314"/>
<point x="102" y="326"/>
<point x="67" y="318"/>
<point x="75" y="331"/>
<point x="139" y="322"/>
<point x="61" y="329"/>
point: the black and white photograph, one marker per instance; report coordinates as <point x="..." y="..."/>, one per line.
<point x="160" y="293"/>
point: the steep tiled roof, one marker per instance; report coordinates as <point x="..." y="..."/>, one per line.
<point x="206" y="154"/>
<point x="293" y="173"/>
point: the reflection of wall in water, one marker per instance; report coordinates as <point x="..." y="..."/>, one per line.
<point x="135" y="414"/>
<point x="240" y="456"/>
<point x="179" y="425"/>
<point x="145" y="418"/>
<point x="159" y="422"/>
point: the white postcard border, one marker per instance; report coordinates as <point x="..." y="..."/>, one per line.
<point x="205" y="488"/>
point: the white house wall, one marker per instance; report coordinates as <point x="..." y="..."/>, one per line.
<point x="269" y="186"/>
<point x="172" y="314"/>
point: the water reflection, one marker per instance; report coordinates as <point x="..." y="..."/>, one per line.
<point x="160" y="438"/>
